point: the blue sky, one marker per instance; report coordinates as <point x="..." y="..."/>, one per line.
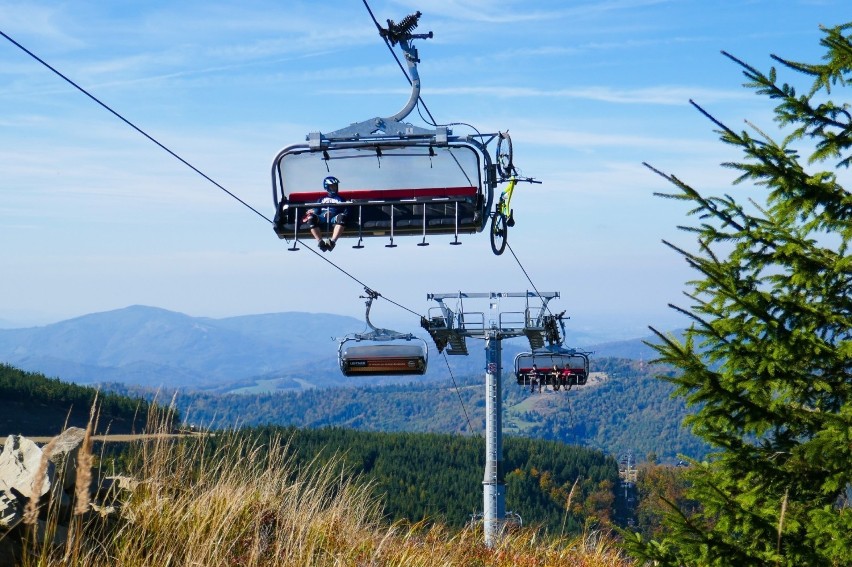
<point x="95" y="217"/>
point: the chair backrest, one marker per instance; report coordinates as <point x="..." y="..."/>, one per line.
<point x="426" y="193"/>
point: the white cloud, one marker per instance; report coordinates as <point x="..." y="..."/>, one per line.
<point x="660" y="95"/>
<point x="29" y="20"/>
<point x="517" y="12"/>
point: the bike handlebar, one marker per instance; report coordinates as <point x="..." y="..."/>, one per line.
<point x="522" y="180"/>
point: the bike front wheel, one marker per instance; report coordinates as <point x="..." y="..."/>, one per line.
<point x="499" y="233"/>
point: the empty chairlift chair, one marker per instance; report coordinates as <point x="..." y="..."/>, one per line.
<point x="381" y="352"/>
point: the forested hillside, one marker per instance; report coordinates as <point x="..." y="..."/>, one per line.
<point x="624" y="408"/>
<point x="34" y="405"/>
<point x="630" y="410"/>
<point x="417" y="475"/>
<point x="439" y="477"/>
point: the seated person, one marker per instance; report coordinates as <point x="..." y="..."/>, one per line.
<point x="329" y="215"/>
<point x="534" y="378"/>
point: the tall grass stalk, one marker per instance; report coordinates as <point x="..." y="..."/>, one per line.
<point x="84" y="464"/>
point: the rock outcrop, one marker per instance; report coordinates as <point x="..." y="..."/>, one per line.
<point x="38" y="487"/>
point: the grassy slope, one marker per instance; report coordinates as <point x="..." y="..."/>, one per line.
<point x="271" y="512"/>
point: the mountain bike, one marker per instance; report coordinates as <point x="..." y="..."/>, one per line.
<point x="503" y="216"/>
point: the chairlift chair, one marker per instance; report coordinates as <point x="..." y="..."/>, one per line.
<point x="552" y="366"/>
<point x="399" y="179"/>
<point x="384" y="352"/>
<point x="383" y="359"/>
<point x="393" y="187"/>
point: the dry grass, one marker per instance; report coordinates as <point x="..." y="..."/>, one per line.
<point x="251" y="506"/>
<point x="31" y="511"/>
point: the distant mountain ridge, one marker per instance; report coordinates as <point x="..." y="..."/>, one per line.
<point x="154" y="347"/>
<point x="282" y="360"/>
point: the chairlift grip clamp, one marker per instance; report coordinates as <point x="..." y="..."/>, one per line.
<point x="371" y="294"/>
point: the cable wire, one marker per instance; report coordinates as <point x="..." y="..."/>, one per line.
<point x="362" y="284"/>
<point x="420" y="103"/>
<point x="526" y="274"/>
<point x="131" y="124"/>
<point x="434" y="123"/>
<point x="458" y="393"/>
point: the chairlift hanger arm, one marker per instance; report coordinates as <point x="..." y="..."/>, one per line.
<point x="401" y="33"/>
<point x="551" y="325"/>
<point x="371" y="295"/>
<point x="376" y="333"/>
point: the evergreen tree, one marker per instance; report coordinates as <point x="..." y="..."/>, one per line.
<point x="766" y="362"/>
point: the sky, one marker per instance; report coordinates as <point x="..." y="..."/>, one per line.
<point x="96" y="217"/>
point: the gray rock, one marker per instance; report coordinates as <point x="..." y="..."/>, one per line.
<point x="19" y="464"/>
<point x="10" y="511"/>
<point x="64" y="452"/>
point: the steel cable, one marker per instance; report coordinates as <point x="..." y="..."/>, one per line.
<point x="458" y="393"/>
<point x="529" y="279"/>
<point x="131" y="124"/>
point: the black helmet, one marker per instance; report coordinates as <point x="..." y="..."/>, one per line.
<point x="330" y="184"/>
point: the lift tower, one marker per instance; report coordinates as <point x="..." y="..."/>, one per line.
<point x="450" y="330"/>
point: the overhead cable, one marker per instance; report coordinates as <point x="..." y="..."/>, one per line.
<point x="529" y="279"/>
<point x="458" y="392"/>
<point x="363" y="284"/>
<point x="131" y="124"/>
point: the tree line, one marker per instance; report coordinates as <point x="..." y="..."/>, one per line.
<point x="35" y="405"/>
<point x="438" y="477"/>
<point x="629" y="411"/>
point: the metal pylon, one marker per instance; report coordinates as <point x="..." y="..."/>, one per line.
<point x="494" y="482"/>
<point x="449" y="327"/>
